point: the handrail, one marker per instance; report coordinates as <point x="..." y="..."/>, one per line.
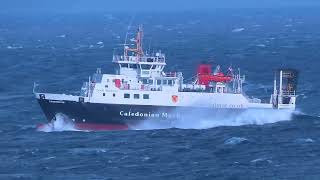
<point x="152" y="59"/>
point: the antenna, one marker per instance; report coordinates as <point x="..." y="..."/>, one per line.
<point x="128" y="29"/>
<point x="149" y="45"/>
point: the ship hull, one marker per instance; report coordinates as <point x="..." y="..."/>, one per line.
<point x="98" y="116"/>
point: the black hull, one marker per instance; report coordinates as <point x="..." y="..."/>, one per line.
<point x="125" y="115"/>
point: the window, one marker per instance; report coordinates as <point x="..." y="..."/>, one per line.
<point x="170" y="82"/>
<point x="136" y="96"/>
<point x="145" y="81"/>
<point x="145" y="66"/>
<point x="151" y="81"/>
<point x="165" y="82"/>
<point x="126" y="96"/>
<point x="159" y="82"/>
<point x="132" y="65"/>
<point x="146" y="96"/>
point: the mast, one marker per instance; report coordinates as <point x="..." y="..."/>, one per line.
<point x="138" y="41"/>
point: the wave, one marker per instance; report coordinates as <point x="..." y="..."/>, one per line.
<point x="61" y="123"/>
<point x="235" y="140"/>
<point x="249" y="117"/>
<point x="238" y="29"/>
<point x="14" y="47"/>
<point x="261" y="45"/>
<point x="304" y="140"/>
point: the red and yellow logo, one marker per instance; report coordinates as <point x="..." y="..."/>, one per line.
<point x="174" y="98"/>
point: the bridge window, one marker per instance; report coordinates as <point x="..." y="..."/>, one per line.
<point x="145" y="66"/>
<point x="136" y="96"/>
<point x="126" y="96"/>
<point x="150" y="81"/>
<point x="149" y="59"/>
<point x="124" y="65"/>
<point x="170" y="82"/>
<point x="134" y="66"/>
<point x="158" y="82"/>
<point x="165" y="82"/>
<point x="145" y="81"/>
<point x="146" y="96"/>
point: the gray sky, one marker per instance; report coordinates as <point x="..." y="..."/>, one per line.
<point x="143" y="5"/>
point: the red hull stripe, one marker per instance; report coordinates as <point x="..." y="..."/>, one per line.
<point x="92" y="127"/>
<point x="100" y="127"/>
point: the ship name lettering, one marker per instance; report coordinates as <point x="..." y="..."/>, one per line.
<point x="228" y="106"/>
<point x="164" y="115"/>
<point x="138" y="114"/>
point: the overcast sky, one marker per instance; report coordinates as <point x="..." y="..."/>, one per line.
<point x="143" y="5"/>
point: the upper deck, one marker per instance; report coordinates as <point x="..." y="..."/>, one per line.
<point x="159" y="58"/>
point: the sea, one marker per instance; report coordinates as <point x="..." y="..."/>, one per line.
<point x="59" y="51"/>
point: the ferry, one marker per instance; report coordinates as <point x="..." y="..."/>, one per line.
<point x="141" y="90"/>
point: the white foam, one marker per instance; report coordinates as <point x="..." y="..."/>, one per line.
<point x="238" y="29"/>
<point x="261" y="45"/>
<point x="61" y="36"/>
<point x="235" y="140"/>
<point x="60" y="124"/>
<point x="304" y="140"/>
<point x="15" y="47"/>
<point x="261" y="160"/>
<point x="251" y="116"/>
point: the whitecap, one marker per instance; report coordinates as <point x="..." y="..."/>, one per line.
<point x="304" y="140"/>
<point x="261" y="45"/>
<point x="261" y="160"/>
<point x="100" y="43"/>
<point x="14" y="47"/>
<point x="48" y="158"/>
<point x="238" y="29"/>
<point x="146" y="158"/>
<point x="88" y="150"/>
<point x="235" y="140"/>
<point x="61" y="36"/>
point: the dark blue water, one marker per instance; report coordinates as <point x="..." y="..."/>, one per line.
<point x="59" y="51"/>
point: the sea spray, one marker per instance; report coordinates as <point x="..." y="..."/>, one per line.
<point x="192" y="120"/>
<point x="61" y="123"/>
